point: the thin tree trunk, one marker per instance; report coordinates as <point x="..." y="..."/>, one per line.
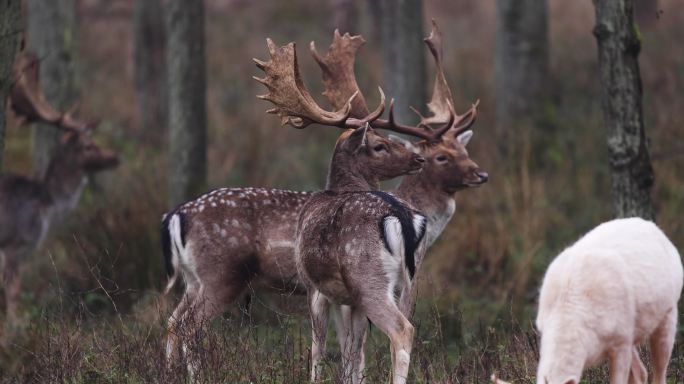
<point x="521" y="62"/>
<point x="618" y="51"/>
<point x="150" y="68"/>
<point x="403" y="50"/>
<point x="51" y="36"/>
<point x="187" y="106"/>
<point x="10" y="34"/>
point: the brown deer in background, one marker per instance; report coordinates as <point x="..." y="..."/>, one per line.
<point x="29" y="207"/>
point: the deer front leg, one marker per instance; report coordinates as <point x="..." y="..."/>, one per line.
<point x="319" y="308"/>
<point x="620" y="364"/>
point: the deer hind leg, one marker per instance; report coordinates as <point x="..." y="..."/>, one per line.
<point x="662" y="341"/>
<point x="319" y="310"/>
<point x="175" y="326"/>
<point x="12" y="274"/>
<point x="389" y="319"/>
<point x="201" y="308"/>
<point x="353" y="358"/>
<point x="638" y="373"/>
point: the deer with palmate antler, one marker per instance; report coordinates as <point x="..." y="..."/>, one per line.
<point x="195" y="234"/>
<point x="448" y="169"/>
<point x="250" y="231"/>
<point x="29" y="207"/>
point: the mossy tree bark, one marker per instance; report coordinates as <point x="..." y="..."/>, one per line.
<point x="404" y="52"/>
<point x="618" y="51"/>
<point x="51" y="36"/>
<point x="187" y="99"/>
<point x="521" y="63"/>
<point x="149" y="31"/>
<point x="10" y="35"/>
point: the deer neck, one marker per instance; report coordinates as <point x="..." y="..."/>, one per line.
<point x="64" y="181"/>
<point x="346" y="177"/>
<point x="428" y="197"/>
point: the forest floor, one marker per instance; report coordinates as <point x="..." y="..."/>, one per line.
<point x="271" y="344"/>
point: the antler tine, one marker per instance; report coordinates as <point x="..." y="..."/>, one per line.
<point x="26" y="98"/>
<point x="442" y="103"/>
<point x="338" y="72"/>
<point x="391" y="125"/>
<point x="293" y="102"/>
<point x="468" y="117"/>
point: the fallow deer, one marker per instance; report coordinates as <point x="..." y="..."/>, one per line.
<point x="448" y="169"/>
<point x="224" y="239"/>
<point x="29" y="207"/>
<point x="254" y="229"/>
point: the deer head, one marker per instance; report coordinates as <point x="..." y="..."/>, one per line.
<point x="76" y="146"/>
<point x="444" y="147"/>
<point x="362" y="156"/>
<point x="448" y="162"/>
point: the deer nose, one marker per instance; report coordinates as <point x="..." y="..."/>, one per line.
<point x="418" y="159"/>
<point x="484" y="176"/>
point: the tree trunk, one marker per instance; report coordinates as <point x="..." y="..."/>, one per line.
<point x="51" y="36"/>
<point x="403" y="50"/>
<point x="149" y="34"/>
<point x="187" y="106"/>
<point x="520" y="63"/>
<point x="618" y="51"/>
<point x="345" y="15"/>
<point x="10" y="33"/>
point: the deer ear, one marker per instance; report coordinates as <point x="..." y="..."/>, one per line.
<point x="464" y="138"/>
<point x="406" y="143"/>
<point x="358" y="138"/>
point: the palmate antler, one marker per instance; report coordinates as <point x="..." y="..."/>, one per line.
<point x="340" y="82"/>
<point x="442" y="103"/>
<point x="293" y="102"/>
<point x="28" y="101"/>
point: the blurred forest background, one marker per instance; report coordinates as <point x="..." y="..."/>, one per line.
<point x="540" y="135"/>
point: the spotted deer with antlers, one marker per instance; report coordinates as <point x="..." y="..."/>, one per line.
<point x="229" y="238"/>
<point x="28" y="208"/>
<point x="250" y="231"/>
<point x="448" y="169"/>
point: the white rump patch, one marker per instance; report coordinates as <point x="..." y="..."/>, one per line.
<point x="419" y="225"/>
<point x="394" y="236"/>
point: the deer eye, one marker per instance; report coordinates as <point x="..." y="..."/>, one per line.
<point x="441" y="158"/>
<point x="380" y="148"/>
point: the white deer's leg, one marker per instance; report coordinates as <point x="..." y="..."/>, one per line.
<point x="620" y="364"/>
<point x="638" y="373"/>
<point x="319" y="308"/>
<point x="389" y="319"/>
<point x="662" y="341"/>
